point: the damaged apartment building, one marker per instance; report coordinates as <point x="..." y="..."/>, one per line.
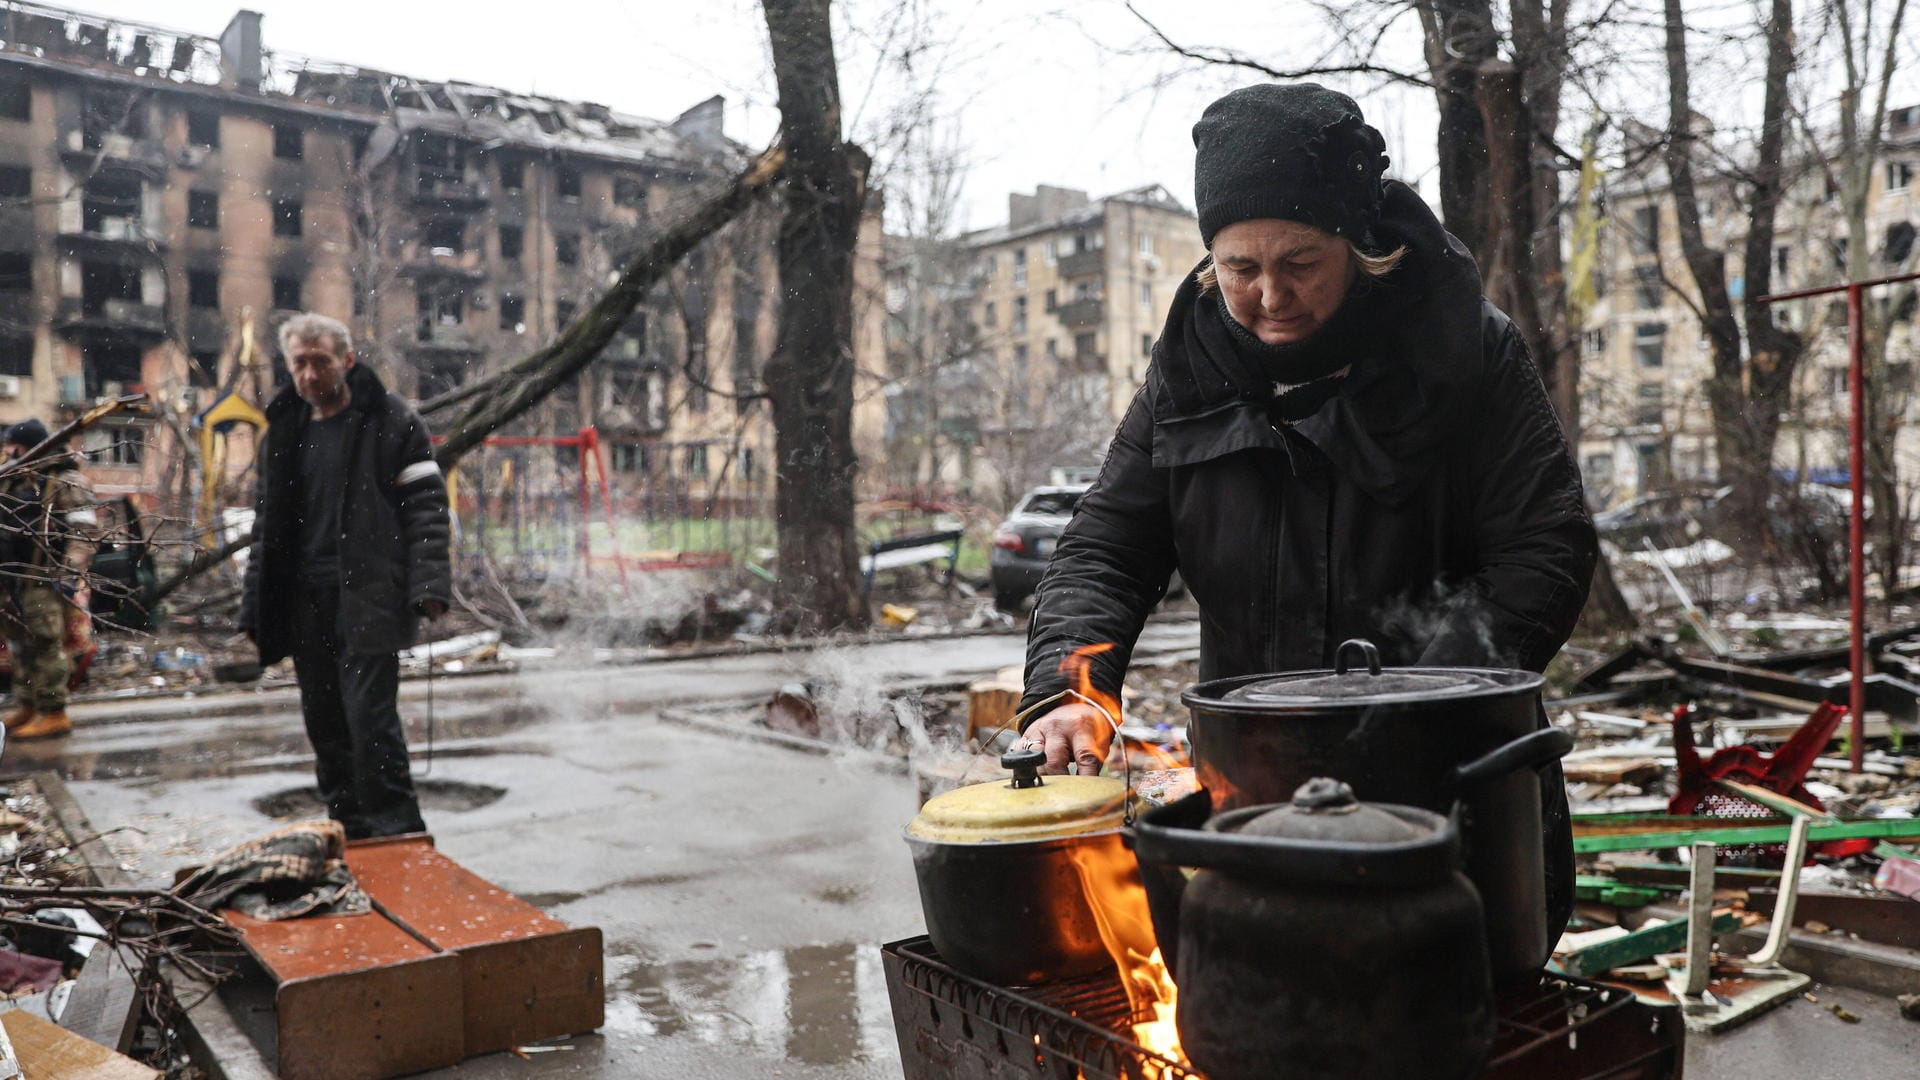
<point x="166" y="199"/>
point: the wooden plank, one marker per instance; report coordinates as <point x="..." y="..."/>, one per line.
<point x="1631" y="948"/>
<point x="47" y="1052"/>
<point x="439" y="899"/>
<point x="294" y="949"/>
<point x="1774" y="801"/>
<point x="104" y="1005"/>
<point x="1889" y="920"/>
<point x="1605" y="890"/>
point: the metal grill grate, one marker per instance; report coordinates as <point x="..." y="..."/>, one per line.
<point x="954" y="1027"/>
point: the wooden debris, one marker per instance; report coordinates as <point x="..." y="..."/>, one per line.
<point x="46" y="1052"/>
<point x="1648" y="941"/>
<point x="991" y="702"/>
<point x="104" y="1005"/>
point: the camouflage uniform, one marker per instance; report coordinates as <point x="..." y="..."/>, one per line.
<point x="49" y="516"/>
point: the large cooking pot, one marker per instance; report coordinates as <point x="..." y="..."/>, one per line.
<point x="1324" y="938"/>
<point x="1422" y="737"/>
<point x="1000" y="883"/>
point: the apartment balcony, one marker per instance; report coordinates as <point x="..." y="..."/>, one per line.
<point x="114" y="235"/>
<point x="450" y="192"/>
<point x="446" y="263"/>
<point x="130" y="318"/>
<point x="89" y="152"/>
<point x="445" y="339"/>
<point x="1081" y="314"/>
<point x="1082" y="263"/>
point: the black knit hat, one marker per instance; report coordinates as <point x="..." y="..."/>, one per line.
<point x="28" y="433"/>
<point x="1299" y="153"/>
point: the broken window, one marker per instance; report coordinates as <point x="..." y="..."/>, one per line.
<point x="203" y="209"/>
<point x="566" y="182"/>
<point x="446" y="236"/>
<point x="1146" y="345"/>
<point x="1019" y="309"/>
<point x="110" y="205"/>
<point x="1899" y="242"/>
<point x="112" y="367"/>
<point x="566" y="249"/>
<point x="286" y="216"/>
<point x="1647" y="403"/>
<point x="115" y="444"/>
<point x="101" y="282"/>
<point x="1053" y="300"/>
<point x="16" y="353"/>
<point x="16" y="181"/>
<point x="289" y="142"/>
<point x="697" y="377"/>
<point x="1086" y="348"/>
<point x="1146" y="296"/>
<point x="697" y="461"/>
<point x="16" y="98"/>
<point x="512" y="240"/>
<point x="1899" y="175"/>
<point x="1646" y="230"/>
<point x="992" y="316"/>
<point x="286" y="293"/>
<point x="1020" y="357"/>
<point x="110" y="111"/>
<point x="1648" y="289"/>
<point x="16" y="271"/>
<point x="630" y="191"/>
<point x="513" y="174"/>
<point x="203" y="288"/>
<point x="1019" y="268"/>
<point x="203" y="128"/>
<point x="513" y="313"/>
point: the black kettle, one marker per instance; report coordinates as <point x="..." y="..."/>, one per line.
<point x="1321" y="938"/>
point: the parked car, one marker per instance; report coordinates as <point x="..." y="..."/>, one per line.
<point x="1024" y="541"/>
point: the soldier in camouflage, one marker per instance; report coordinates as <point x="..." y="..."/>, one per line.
<point x="48" y="523"/>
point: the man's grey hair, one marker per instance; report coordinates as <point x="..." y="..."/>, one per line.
<point x="313" y="326"/>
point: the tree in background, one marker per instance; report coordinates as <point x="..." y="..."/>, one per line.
<point x="809" y="378"/>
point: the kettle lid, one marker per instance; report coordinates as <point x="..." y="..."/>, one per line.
<point x="1325" y="809"/>
<point x="1028" y="807"/>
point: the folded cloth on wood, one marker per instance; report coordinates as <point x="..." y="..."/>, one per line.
<point x="299" y="870"/>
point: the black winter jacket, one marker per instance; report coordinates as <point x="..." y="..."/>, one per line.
<point x="393" y="523"/>
<point x="1432" y="506"/>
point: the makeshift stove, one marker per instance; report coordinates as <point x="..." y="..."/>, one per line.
<point x="954" y="1027"/>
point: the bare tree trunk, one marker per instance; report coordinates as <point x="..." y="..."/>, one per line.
<point x="1459" y="38"/>
<point x="809" y="377"/>
<point x="1746" y="399"/>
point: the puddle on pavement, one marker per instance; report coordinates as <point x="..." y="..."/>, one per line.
<point x="815" y="1004"/>
<point x="444" y="796"/>
<point x="249" y="744"/>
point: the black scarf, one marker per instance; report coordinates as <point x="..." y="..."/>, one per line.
<point x="1307" y="373"/>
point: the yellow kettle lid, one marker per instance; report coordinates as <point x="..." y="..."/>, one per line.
<point x="1026" y="808"/>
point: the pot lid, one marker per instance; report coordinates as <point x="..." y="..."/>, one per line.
<point x="1028" y="807"/>
<point x="1323" y="809"/>
<point x="1372" y="684"/>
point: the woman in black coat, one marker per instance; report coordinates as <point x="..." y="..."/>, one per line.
<point x="1338" y="437"/>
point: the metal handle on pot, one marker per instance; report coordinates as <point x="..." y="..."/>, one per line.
<point x="1126" y="761"/>
<point x="1171" y="835"/>
<point x="1367" y="653"/>
<point x="1533" y="750"/>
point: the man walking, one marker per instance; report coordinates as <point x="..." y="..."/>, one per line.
<point x="47" y="535"/>
<point x="349" y="550"/>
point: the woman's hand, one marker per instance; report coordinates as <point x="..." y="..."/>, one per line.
<point x="1076" y="733"/>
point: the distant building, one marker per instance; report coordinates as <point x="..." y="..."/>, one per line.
<point x="1646" y="424"/>
<point x="1046" y="325"/>
<point x="167" y="198"/>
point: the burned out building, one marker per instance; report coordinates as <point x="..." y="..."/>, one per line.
<point x="167" y="198"/>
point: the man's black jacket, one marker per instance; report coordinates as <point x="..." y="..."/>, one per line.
<point x="393" y="523"/>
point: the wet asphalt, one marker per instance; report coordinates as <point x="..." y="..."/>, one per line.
<point x="743" y="889"/>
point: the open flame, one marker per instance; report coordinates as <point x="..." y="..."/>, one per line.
<point x="1111" y="880"/>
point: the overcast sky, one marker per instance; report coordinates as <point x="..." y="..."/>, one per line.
<point x="1032" y="92"/>
<point x="1064" y="92"/>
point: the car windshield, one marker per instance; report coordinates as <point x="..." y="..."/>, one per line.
<point x="1051" y="502"/>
